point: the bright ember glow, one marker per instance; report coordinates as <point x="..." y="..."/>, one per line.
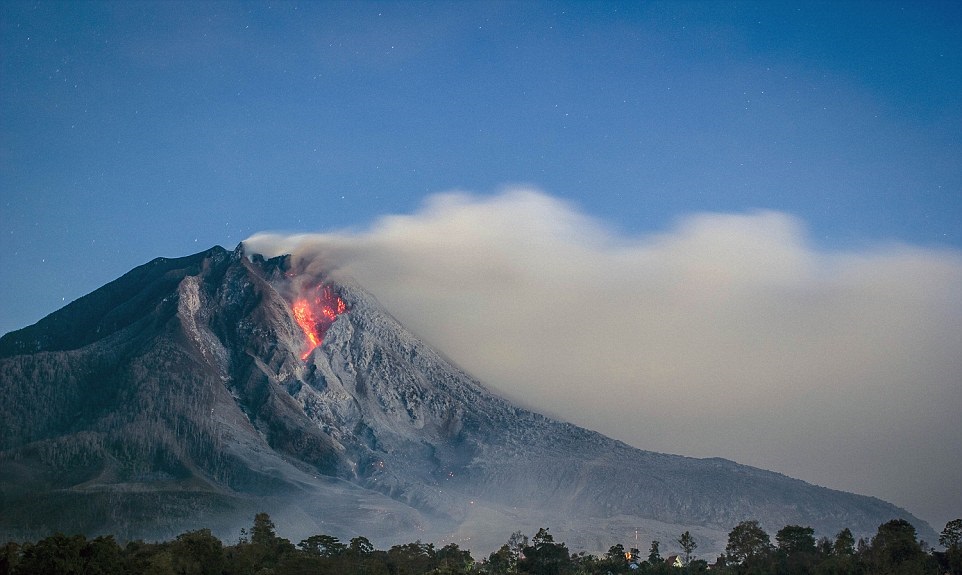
<point x="315" y="314"/>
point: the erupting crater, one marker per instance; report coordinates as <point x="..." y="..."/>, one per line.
<point x="315" y="314"/>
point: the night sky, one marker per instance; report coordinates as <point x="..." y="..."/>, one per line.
<point x="132" y="130"/>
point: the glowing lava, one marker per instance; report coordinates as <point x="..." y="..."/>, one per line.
<point x="315" y="315"/>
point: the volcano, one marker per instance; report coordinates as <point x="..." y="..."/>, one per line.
<point x="197" y="391"/>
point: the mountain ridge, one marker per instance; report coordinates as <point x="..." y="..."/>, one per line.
<point x="190" y="394"/>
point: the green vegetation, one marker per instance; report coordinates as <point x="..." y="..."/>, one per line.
<point x="894" y="550"/>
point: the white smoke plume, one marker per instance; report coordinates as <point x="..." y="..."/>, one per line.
<point x="727" y="335"/>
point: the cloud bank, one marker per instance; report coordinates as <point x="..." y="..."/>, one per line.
<point x="727" y="335"/>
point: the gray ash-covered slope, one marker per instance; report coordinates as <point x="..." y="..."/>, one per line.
<point x="176" y="397"/>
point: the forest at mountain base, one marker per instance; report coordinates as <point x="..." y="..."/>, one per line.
<point x="894" y="550"/>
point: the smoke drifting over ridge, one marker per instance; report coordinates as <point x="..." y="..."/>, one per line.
<point x="727" y="335"/>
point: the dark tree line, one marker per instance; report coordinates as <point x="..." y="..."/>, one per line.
<point x="894" y="550"/>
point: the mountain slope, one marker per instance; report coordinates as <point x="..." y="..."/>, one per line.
<point x="177" y="397"/>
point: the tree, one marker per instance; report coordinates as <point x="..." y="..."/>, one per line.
<point x="747" y="543"/>
<point x="53" y="555"/>
<point x="844" y="545"/>
<point x="138" y="557"/>
<point x="952" y="534"/>
<point x="9" y="557"/>
<point x="516" y="542"/>
<point x="895" y="549"/>
<point x="198" y="553"/>
<point x="360" y="546"/>
<point x="322" y="545"/>
<point x="688" y="545"/>
<point x="412" y="558"/>
<point x="793" y="539"/>
<point x="263" y="548"/>
<point x="616" y="558"/>
<point x="654" y="555"/>
<point x="59" y="554"/>
<point x="161" y="562"/>
<point x="500" y="562"/>
<point x="544" y="556"/>
<point x="505" y="559"/>
<point x="796" y="549"/>
<point x="951" y="539"/>
<point x="262" y="533"/>
<point x="616" y="551"/>
<point x="452" y="559"/>
<point x="838" y="557"/>
<point x="542" y="537"/>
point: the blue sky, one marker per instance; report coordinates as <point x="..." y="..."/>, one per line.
<point x="132" y="130"/>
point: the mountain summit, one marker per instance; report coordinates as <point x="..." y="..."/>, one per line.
<point x="194" y="392"/>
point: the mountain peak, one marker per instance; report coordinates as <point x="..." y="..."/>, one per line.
<point x="198" y="383"/>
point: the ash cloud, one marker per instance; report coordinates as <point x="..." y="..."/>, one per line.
<point x="727" y="335"/>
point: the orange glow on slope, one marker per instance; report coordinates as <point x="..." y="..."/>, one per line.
<point x="316" y="314"/>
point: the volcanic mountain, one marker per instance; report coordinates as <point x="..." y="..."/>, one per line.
<point x="195" y="392"/>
